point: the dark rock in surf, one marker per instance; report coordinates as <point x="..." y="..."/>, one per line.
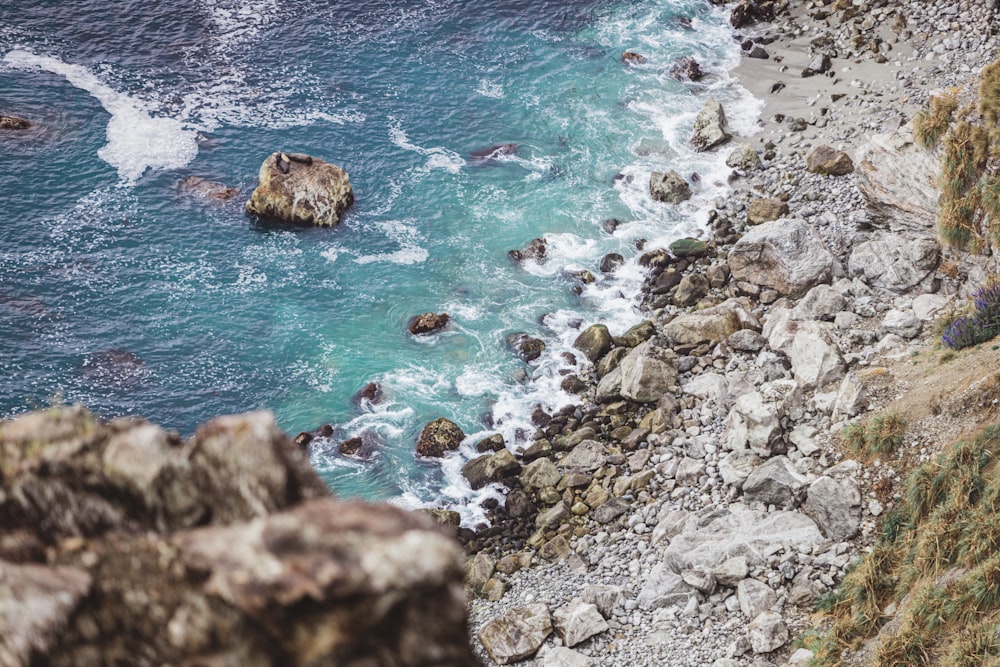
<point x="439" y="437"/>
<point x="196" y="185"/>
<point x="687" y="69"/>
<point x="525" y="346"/>
<point x="371" y="392"/>
<point x="493" y="152"/>
<point x="633" y="58"/>
<point x="536" y="250"/>
<point x="428" y="323"/>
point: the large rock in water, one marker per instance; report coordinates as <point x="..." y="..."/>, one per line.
<point x="669" y="186"/>
<point x="438" y="437"/>
<point x="785" y="255"/>
<point x="14" y="123"/>
<point x="226" y="549"/>
<point x="300" y="189"/>
<point x="899" y="180"/>
<point x="710" y="126"/>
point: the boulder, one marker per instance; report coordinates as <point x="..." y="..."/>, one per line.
<point x="300" y="189"/>
<point x="589" y="455"/>
<point x="692" y="288"/>
<point x="898" y="179"/>
<point x="893" y="262"/>
<point x="648" y="372"/>
<point x="611" y="262"/>
<point x="633" y="58"/>
<point x="13" y="123"/>
<point x="517" y="634"/>
<point x="901" y="323"/>
<point x="743" y="158"/>
<point x="775" y="482"/>
<point x="710" y="127"/>
<point x="428" y="323"/>
<point x="605" y="598"/>
<point x="736" y="466"/>
<point x="767" y="632"/>
<point x="710" y="325"/>
<point x="828" y="161"/>
<point x="578" y="621"/>
<point x="638" y="334"/>
<point x="706" y="542"/>
<point x="439" y="437"/>
<point x="663" y="588"/>
<point x="928" y="306"/>
<point x="785" y="255"/>
<point x="747" y="12"/>
<point x="755" y="419"/>
<point x="540" y="473"/>
<point x="669" y="186"/>
<point x="595" y="341"/>
<point x="490" y="468"/>
<point x="687" y="69"/>
<point x="755" y="597"/>
<point x="732" y="571"/>
<point x="816" y="362"/>
<point x="835" y="506"/>
<point x="822" y="302"/>
<point x="765" y="210"/>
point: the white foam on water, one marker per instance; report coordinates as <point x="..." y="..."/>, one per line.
<point x="403" y="257"/>
<point x="490" y="89"/>
<point x="438" y="157"/>
<point x="137" y="141"/>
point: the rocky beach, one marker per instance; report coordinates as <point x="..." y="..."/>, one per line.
<point x="699" y="501"/>
<point x="695" y="503"/>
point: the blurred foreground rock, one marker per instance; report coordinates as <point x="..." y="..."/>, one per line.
<point x="122" y="544"/>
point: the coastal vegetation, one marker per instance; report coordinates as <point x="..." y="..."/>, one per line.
<point x="877" y="436"/>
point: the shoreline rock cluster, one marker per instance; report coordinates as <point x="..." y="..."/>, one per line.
<point x="695" y="504"/>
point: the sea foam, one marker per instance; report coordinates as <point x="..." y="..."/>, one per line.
<point x="137" y="141"/>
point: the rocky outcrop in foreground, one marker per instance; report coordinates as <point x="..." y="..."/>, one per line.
<point x="302" y="190"/>
<point x="122" y="544"/>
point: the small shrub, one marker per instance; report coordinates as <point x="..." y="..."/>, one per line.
<point x="931" y="124"/>
<point x="880" y="435"/>
<point x="979" y="327"/>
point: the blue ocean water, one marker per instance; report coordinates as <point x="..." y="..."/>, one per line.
<point x="121" y="289"/>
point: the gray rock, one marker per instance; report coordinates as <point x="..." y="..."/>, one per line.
<point x="822" y="302"/>
<point x="540" y="473"/>
<point x="732" y="571"/>
<point x="710" y="126"/>
<point x="517" y="634"/>
<point x="701" y="580"/>
<point x="490" y="468"/>
<point x="578" y="621"/>
<point x="746" y="340"/>
<point x="648" y="372"/>
<point x="767" y="632"/>
<point x="775" y="482"/>
<point x="663" y="588"/>
<point x="738" y="531"/>
<point x="610" y="511"/>
<point x="893" y="262"/>
<point x="689" y="471"/>
<point x="755" y="598"/>
<point x="928" y="306"/>
<point x="560" y="656"/>
<point x="669" y="186"/>
<point x="710" y="325"/>
<point x="552" y="517"/>
<point x="588" y="456"/>
<point x="744" y="158"/>
<point x="692" y="288"/>
<point x="815" y="361"/>
<point x="785" y="255"/>
<point x="669" y="524"/>
<point x="851" y="399"/>
<point x="903" y="324"/>
<point x="755" y="419"/>
<point x="835" y="506"/>
<point x="605" y="598"/>
<point x="763" y="210"/>
<point x="736" y="466"/>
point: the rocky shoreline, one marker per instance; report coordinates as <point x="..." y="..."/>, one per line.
<point x="696" y="503"/>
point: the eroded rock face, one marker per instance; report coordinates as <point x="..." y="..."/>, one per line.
<point x="301" y="190"/>
<point x="222" y="549"/>
<point x="899" y="180"/>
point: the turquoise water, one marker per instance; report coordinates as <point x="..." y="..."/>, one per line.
<point x="123" y="291"/>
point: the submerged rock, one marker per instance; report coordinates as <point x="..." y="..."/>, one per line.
<point x="687" y="69"/>
<point x="633" y="58"/>
<point x="489" y="153"/>
<point x="536" y="250"/>
<point x="14" y="123"/>
<point x="301" y="190"/>
<point x="202" y="187"/>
